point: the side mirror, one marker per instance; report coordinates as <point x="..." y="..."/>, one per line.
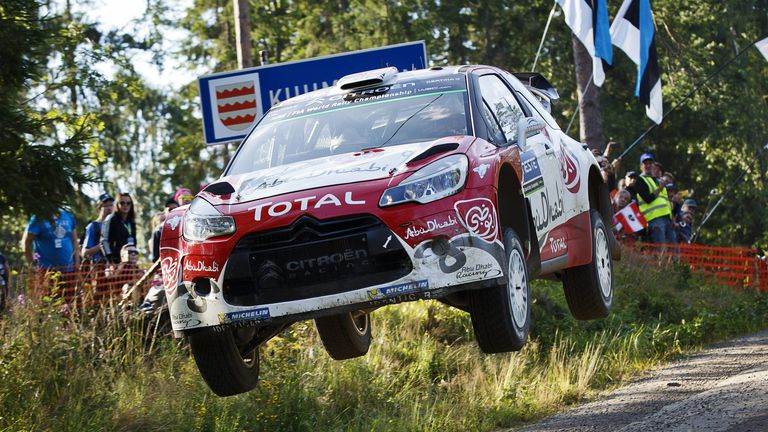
<point x="526" y="128"/>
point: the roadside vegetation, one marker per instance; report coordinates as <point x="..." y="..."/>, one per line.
<point x="423" y="372"/>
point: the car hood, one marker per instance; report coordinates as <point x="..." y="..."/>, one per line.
<point x="365" y="165"/>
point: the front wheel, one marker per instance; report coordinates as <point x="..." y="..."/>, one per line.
<point x="225" y="359"/>
<point x="501" y="315"/>
<point x="346" y="335"/>
<point x="589" y="288"/>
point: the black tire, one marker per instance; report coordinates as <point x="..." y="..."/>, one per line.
<point x="223" y="367"/>
<point x="589" y="288"/>
<point x="345" y="336"/>
<point x="501" y="315"/>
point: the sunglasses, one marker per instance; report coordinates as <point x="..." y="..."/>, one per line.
<point x="186" y="197"/>
<point x="133" y="252"/>
<point x="125" y="203"/>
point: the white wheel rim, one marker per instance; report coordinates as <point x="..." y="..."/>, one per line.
<point x="603" y="262"/>
<point x="517" y="286"/>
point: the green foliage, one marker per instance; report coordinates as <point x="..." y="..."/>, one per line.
<point x="103" y="371"/>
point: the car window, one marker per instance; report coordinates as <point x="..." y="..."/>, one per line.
<point x="335" y="123"/>
<point x="502" y="104"/>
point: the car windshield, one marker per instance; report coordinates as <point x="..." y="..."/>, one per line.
<point x="311" y="128"/>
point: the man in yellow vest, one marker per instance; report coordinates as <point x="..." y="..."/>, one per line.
<point x="654" y="203"/>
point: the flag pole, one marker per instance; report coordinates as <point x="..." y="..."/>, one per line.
<point x="722" y="197"/>
<point x="544" y="36"/>
<point x="577" y="110"/>
<point x="688" y="96"/>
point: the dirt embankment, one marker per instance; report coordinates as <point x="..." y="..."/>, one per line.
<point x="724" y="388"/>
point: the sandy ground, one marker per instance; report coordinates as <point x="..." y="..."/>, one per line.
<point x="724" y="388"/>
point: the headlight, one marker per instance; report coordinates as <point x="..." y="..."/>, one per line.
<point x="202" y="221"/>
<point x="441" y="178"/>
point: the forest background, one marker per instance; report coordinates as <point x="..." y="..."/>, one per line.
<point x="77" y="117"/>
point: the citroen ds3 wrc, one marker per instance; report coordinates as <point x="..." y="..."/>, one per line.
<point x="452" y="183"/>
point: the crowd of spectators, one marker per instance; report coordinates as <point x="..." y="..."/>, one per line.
<point x="107" y="252"/>
<point x="668" y="211"/>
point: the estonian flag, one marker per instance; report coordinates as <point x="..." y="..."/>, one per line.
<point x="763" y="47"/>
<point x="588" y="19"/>
<point x="632" y="31"/>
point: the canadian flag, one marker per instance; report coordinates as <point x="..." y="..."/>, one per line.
<point x="630" y="219"/>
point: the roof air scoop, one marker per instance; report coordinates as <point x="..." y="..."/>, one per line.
<point x="368" y="78"/>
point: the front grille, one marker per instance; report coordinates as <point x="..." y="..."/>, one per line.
<point x="312" y="258"/>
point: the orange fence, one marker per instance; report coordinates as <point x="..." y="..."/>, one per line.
<point x="92" y="284"/>
<point x="734" y="266"/>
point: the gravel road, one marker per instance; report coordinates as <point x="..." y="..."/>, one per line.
<point x="724" y="388"/>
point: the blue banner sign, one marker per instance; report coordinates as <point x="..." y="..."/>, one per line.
<point x="233" y="101"/>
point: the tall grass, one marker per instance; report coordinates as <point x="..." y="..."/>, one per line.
<point x="64" y="370"/>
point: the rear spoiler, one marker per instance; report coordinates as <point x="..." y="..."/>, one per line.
<point x="539" y="86"/>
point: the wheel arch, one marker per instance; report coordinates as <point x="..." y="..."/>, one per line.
<point x="600" y="200"/>
<point x="515" y="213"/>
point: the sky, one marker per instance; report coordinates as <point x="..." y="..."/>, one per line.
<point x="121" y="14"/>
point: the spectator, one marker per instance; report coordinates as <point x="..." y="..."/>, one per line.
<point x="676" y="199"/>
<point x="119" y="228"/>
<point x="609" y="175"/>
<point x="654" y="203"/>
<point x="657" y="169"/>
<point x="127" y="271"/>
<point x="685" y="227"/>
<point x="51" y="244"/>
<point x="170" y="204"/>
<point x="623" y="198"/>
<point x="92" y="244"/>
<point x="183" y="196"/>
<point x="689" y="205"/>
<point x="54" y="241"/>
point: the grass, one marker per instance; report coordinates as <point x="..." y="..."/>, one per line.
<point x="423" y="371"/>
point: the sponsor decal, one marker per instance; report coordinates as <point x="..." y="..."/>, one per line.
<point x="532" y="178"/>
<point x="200" y="267"/>
<point x="432" y="225"/>
<point x="247" y="315"/>
<point x="169" y="266"/>
<point x="236" y="104"/>
<point x="184" y="320"/>
<point x="479" y="217"/>
<point x="478" y="271"/>
<point x="481" y="170"/>
<point x="271" y="181"/>
<point x="173" y="222"/>
<point x="348" y="256"/>
<point x="557" y="244"/>
<point x="283" y="207"/>
<point x="569" y="170"/>
<point x="548" y="210"/>
<point x="397" y="290"/>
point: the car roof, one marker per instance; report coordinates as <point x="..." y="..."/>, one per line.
<point x="435" y="72"/>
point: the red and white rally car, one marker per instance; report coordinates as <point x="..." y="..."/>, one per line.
<point x="451" y="183"/>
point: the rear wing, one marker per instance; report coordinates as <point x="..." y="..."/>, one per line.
<point x="539" y="86"/>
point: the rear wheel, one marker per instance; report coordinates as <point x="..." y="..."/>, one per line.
<point x="225" y="359"/>
<point x="589" y="288"/>
<point x="501" y="314"/>
<point x="345" y="336"/>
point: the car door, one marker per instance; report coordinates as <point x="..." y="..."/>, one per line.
<point x="542" y="184"/>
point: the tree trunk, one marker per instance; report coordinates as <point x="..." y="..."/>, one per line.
<point x="590" y="117"/>
<point x="243" y="33"/>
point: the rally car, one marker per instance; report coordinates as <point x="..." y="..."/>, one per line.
<point x="450" y="183"/>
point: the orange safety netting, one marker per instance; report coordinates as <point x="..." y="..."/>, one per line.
<point x="91" y="284"/>
<point x="734" y="266"/>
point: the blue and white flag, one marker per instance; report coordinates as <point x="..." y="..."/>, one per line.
<point x="633" y="32"/>
<point x="588" y="19"/>
<point x="762" y="46"/>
